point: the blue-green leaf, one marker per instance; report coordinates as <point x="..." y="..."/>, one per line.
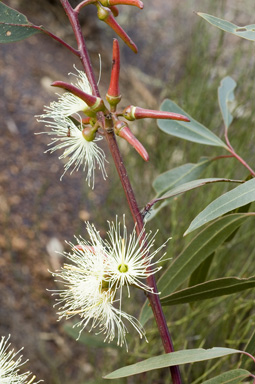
<point x="14" y="26"/>
<point x="208" y="290"/>
<point x="235" y="376"/>
<point x="246" y="32"/>
<point x="192" y="131"/>
<point x="179" y="175"/>
<point x="200" y="247"/>
<point x="171" y="359"/>
<point x="226" y="96"/>
<point x="192" y="185"/>
<point x="239" y="196"/>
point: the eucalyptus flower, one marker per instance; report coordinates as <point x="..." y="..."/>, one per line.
<point x="129" y="260"/>
<point x="87" y="294"/>
<point x="99" y="269"/>
<point x="10" y="364"/>
<point x="80" y="152"/>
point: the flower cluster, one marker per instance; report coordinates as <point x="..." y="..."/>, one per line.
<point x="10" y="366"/>
<point x="100" y="269"/>
<point x="70" y="133"/>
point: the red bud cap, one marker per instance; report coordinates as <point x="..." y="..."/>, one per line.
<point x="136" y="3"/>
<point x="140" y="113"/>
<point x="94" y="103"/>
<point x="121" y="129"/>
<point x="106" y="15"/>
<point x="113" y="94"/>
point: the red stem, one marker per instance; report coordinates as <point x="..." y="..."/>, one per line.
<point x="137" y="217"/>
<point x="239" y="158"/>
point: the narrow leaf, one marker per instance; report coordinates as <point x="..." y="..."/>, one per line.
<point x="196" y="252"/>
<point x="179" y="175"/>
<point x="200" y="274"/>
<point x="14" y="26"/>
<point x="235" y="376"/>
<point x="239" y="196"/>
<point x="246" y="32"/>
<point x="192" y="185"/>
<point x="192" y="131"/>
<point x="226" y="96"/>
<point x="171" y="359"/>
<point x="209" y="289"/>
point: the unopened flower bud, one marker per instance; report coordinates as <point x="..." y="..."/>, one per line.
<point x="134" y="113"/>
<point x="121" y="129"/>
<point x="106" y="15"/>
<point x="94" y="103"/>
<point x="113" y="94"/>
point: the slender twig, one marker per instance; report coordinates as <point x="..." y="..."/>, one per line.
<point x="239" y="158"/>
<point x="48" y="33"/>
<point x="81" y="5"/>
<point x="138" y="219"/>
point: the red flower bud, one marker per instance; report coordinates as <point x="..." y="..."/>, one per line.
<point x="121" y="129"/>
<point x="94" y="103"/>
<point x="134" y="113"/>
<point x="106" y="15"/>
<point x="136" y="3"/>
<point x="113" y="94"/>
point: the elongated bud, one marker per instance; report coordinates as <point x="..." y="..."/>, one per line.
<point x="94" y="103"/>
<point x="113" y="94"/>
<point x="121" y="129"/>
<point x="134" y="113"/>
<point x="136" y="3"/>
<point x="105" y="15"/>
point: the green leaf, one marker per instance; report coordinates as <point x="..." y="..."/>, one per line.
<point x="14" y="26"/>
<point x="171" y="359"/>
<point x="196" y="252"/>
<point x="247" y="32"/>
<point x="239" y="196"/>
<point x="200" y="274"/>
<point x="235" y="376"/>
<point x="95" y="341"/>
<point x="192" y="131"/>
<point x="192" y="185"/>
<point x="179" y="175"/>
<point x="226" y="96"/>
<point x="209" y="289"/>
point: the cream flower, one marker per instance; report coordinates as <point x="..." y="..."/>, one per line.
<point x="129" y="260"/>
<point x="87" y="293"/>
<point x="81" y="153"/>
<point x="10" y="366"/>
<point x="100" y="268"/>
<point x="68" y="104"/>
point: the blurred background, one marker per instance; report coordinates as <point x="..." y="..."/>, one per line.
<point x="180" y="57"/>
